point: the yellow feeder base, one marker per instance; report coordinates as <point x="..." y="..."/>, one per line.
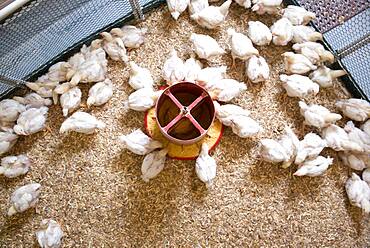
<point x="183" y="152"/>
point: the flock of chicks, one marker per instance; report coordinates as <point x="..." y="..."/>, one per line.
<point x="27" y="115"/>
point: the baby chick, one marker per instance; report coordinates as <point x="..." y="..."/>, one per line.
<point x="14" y="166"/>
<point x="143" y="99"/>
<point x="284" y="150"/>
<point x="318" y="116"/>
<point x="31" y="121"/>
<point x="58" y="72"/>
<point x="24" y="197"/>
<point x="325" y="76"/>
<point x="7" y="141"/>
<point x="298" y="15"/>
<point x="241" y="46"/>
<point x="266" y="6"/>
<point x="244" y="126"/>
<point x="366" y="176"/>
<point x="195" y="6"/>
<point x="257" y="69"/>
<point x="305" y="33"/>
<point x="139" y="143"/>
<point x="225" y="113"/>
<point x="192" y="70"/>
<point x="357" y="135"/>
<point x="173" y="68"/>
<point x="70" y="100"/>
<point x="244" y="3"/>
<point x="176" y="7"/>
<point x="314" y="51"/>
<point x="337" y="139"/>
<point x="10" y="110"/>
<point x="356" y="109"/>
<point x="205" y="46"/>
<point x="153" y="164"/>
<point x="114" y="47"/>
<point x="299" y="86"/>
<point x="356" y="161"/>
<point x="205" y="166"/>
<point x="315" y="167"/>
<point x="207" y="76"/>
<point x="212" y="17"/>
<point x="282" y="32"/>
<point x="297" y="63"/>
<point x="309" y="148"/>
<point x="50" y="235"/>
<point x="100" y="93"/>
<point x="358" y="192"/>
<point x="140" y="77"/>
<point x="81" y="122"/>
<point x="259" y="33"/>
<point x="33" y="100"/>
<point x="226" y="89"/>
<point x="131" y="36"/>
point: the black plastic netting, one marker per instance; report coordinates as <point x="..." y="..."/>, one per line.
<point x="45" y="31"/>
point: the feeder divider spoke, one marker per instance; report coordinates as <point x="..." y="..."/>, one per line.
<point x="173" y="122"/>
<point x="196" y="101"/>
<point x="174" y="100"/>
<point x="195" y="123"/>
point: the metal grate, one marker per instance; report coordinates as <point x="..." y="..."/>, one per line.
<point x="45" y="31"/>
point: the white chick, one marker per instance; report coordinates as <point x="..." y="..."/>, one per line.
<point x="10" y="110"/>
<point x="284" y="150"/>
<point x="366" y="176"/>
<point x="173" y="68"/>
<point x="244" y="3"/>
<point x="143" y="99"/>
<point x="139" y="143"/>
<point x="50" y="235"/>
<point x="244" y="126"/>
<point x="315" y="167"/>
<point x="207" y="76"/>
<point x="309" y="148"/>
<point x="356" y="161"/>
<point x="114" y="47"/>
<point x="192" y="70"/>
<point x="259" y="33"/>
<point x="225" y="113"/>
<point x="100" y="93"/>
<point x="298" y="15"/>
<point x="14" y="166"/>
<point x="282" y="32"/>
<point x="70" y="100"/>
<point x="226" y="89"/>
<point x="31" y="121"/>
<point x="366" y="127"/>
<point x="33" y="100"/>
<point x="305" y="33"/>
<point x="299" y="86"/>
<point x="358" y="192"/>
<point x="357" y="135"/>
<point x="266" y="6"/>
<point x="314" y="51"/>
<point x="297" y="63"/>
<point x="140" y="77"/>
<point x="205" y="166"/>
<point x="7" y="141"/>
<point x="24" y="197"/>
<point x="176" y="7"/>
<point x="58" y="72"/>
<point x="81" y="122"/>
<point x="205" y="46"/>
<point x="257" y="69"/>
<point x="356" y="109"/>
<point x="337" y="139"/>
<point x="317" y="116"/>
<point x="241" y="46"/>
<point x="196" y="6"/>
<point x="131" y="36"/>
<point x="325" y="76"/>
<point x="153" y="164"/>
<point x="212" y="16"/>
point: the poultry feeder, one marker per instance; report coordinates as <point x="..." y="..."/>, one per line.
<point x="184" y="118"/>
